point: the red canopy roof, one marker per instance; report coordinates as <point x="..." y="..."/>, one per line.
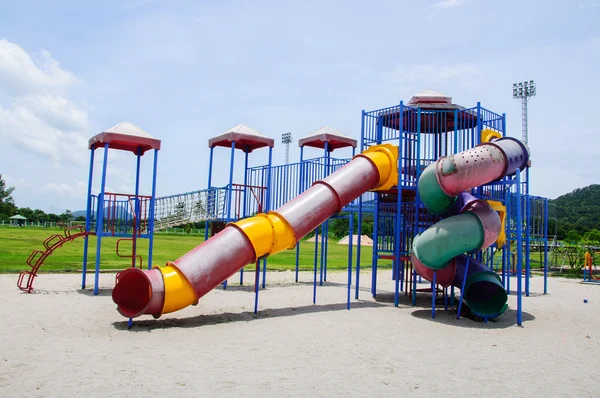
<point x="333" y="137"/>
<point x="245" y="138"/>
<point x="125" y="136"/>
<point x="433" y="117"/>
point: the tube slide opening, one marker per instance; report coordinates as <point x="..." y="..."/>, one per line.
<point x="132" y="293"/>
<point x="485" y="295"/>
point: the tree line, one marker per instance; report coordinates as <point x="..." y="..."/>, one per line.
<point x="8" y="208"/>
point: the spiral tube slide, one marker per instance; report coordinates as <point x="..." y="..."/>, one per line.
<point x="469" y="224"/>
<point x="184" y="281"/>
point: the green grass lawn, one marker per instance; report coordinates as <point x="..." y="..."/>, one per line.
<point x="17" y="243"/>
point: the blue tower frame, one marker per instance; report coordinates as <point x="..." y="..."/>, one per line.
<point x="118" y="221"/>
<point x="424" y="132"/>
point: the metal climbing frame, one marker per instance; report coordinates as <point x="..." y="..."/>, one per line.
<point x="129" y="216"/>
<point x="423" y="135"/>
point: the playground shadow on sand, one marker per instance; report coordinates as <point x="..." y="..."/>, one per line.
<point x="467" y="320"/>
<point x="86" y="292"/>
<point x="227" y="317"/>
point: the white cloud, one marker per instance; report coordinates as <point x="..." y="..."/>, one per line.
<point x="450" y="4"/>
<point x="20" y="73"/>
<point x="37" y="116"/>
<point x="76" y="190"/>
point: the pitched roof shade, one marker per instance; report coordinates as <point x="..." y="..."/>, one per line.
<point x="437" y="114"/>
<point x="125" y="136"/>
<point x="335" y="138"/>
<point x="246" y="138"/>
<point x="17" y="217"/>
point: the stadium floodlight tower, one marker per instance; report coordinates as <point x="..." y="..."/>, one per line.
<point x="286" y="138"/>
<point x="523" y="91"/>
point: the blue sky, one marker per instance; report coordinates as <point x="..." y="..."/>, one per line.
<point x="188" y="70"/>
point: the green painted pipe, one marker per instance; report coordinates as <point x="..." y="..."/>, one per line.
<point x="436" y="200"/>
<point x="447" y="239"/>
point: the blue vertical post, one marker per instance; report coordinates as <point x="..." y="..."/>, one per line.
<point x="267" y="208"/>
<point x="527" y="232"/>
<point x="417" y="196"/>
<point x="375" y="247"/>
<point x="256" y="285"/>
<point x="300" y="188"/>
<point x="137" y="208"/>
<point x="545" y="246"/>
<point x="152" y="205"/>
<point x="88" y="217"/>
<point x="351" y="222"/>
<point x="358" y="245"/>
<point x="212" y="202"/>
<point x="230" y="190"/>
<point x="315" y="266"/>
<point x="100" y="219"/>
<point x="508" y="242"/>
<point x="462" y="288"/>
<point x="245" y="199"/>
<point x="230" y="186"/>
<point x="456" y="131"/>
<point x="433" y="293"/>
<point x="327" y="171"/>
<point x="519" y="251"/>
<point x="360" y="212"/>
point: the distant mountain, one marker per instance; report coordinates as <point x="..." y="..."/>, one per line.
<point x="79" y="213"/>
<point x="120" y="211"/>
<point x="579" y="210"/>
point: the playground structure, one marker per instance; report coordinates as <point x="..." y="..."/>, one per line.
<point x="588" y="269"/>
<point x="398" y="144"/>
<point x="128" y="216"/>
<point x="425" y="132"/>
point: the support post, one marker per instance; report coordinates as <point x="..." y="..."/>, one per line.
<point x="88" y="220"/>
<point x="519" y="252"/>
<point x="100" y="220"/>
<point x="151" y="212"/>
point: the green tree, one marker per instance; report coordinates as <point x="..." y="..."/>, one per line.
<point x="575" y="255"/>
<point x="66" y="216"/>
<point x="593" y="235"/>
<point x="573" y="236"/>
<point x="7" y="204"/>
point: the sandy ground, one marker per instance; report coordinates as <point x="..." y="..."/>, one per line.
<point x="64" y="342"/>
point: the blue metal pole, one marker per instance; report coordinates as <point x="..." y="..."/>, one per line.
<point x="360" y="212"/>
<point x="358" y="244"/>
<point x="100" y="219"/>
<point x="230" y="190"/>
<point x="433" y="293"/>
<point x="256" y="285"/>
<point x="351" y="222"/>
<point x="462" y="289"/>
<point x="88" y="220"/>
<point x="527" y="232"/>
<point x="545" y="246"/>
<point x="212" y="202"/>
<point x="375" y="246"/>
<point x="244" y="215"/>
<point x="315" y="266"/>
<point x="327" y="172"/>
<point x="508" y="206"/>
<point x="519" y="252"/>
<point x="152" y="205"/>
<point x="137" y="206"/>
<point x="230" y="186"/>
<point x="300" y="187"/>
<point x="268" y="208"/>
